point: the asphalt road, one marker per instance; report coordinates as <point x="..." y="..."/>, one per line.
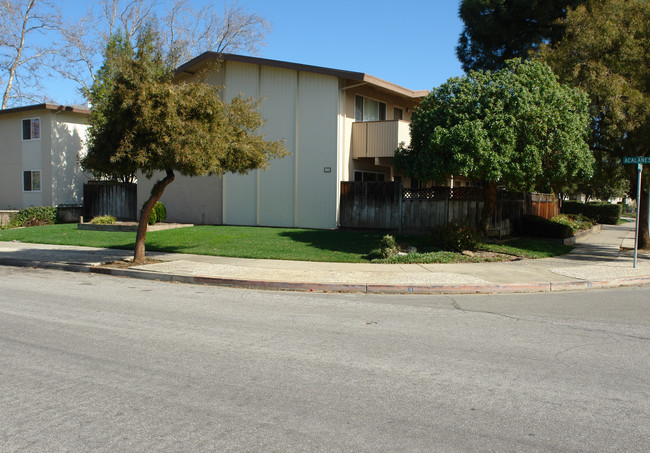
<point x="98" y="363"/>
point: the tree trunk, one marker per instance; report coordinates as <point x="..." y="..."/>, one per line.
<point x="644" y="235"/>
<point x="490" y="201"/>
<point x="156" y="193"/>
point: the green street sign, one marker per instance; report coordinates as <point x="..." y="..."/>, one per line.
<point x="637" y="160"/>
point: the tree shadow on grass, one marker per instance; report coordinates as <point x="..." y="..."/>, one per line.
<point x="350" y="242"/>
<point x="363" y="243"/>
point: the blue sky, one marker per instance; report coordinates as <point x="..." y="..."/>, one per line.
<point x="410" y="43"/>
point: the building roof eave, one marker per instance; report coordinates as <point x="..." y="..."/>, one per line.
<point x="194" y="65"/>
<point x="46" y="106"/>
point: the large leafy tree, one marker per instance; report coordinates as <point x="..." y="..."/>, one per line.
<point x="499" y="30"/>
<point x="516" y="127"/>
<point x="606" y="52"/>
<point x="143" y="121"/>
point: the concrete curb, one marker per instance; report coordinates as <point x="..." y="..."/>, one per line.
<point x="533" y="287"/>
<point x="572" y="240"/>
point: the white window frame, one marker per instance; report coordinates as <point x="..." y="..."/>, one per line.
<point x="363" y="104"/>
<point x="31" y="180"/>
<point x="36" y="120"/>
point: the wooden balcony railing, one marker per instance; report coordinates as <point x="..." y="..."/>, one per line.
<point x="378" y="138"/>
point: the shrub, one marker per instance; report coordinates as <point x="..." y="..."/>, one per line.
<point x="544" y="228"/>
<point x="455" y="237"/>
<point x="601" y="212"/>
<point x="103" y="220"/>
<point x="158" y="213"/>
<point x="576" y="222"/>
<point x="34" y="216"/>
<point x="161" y="211"/>
<point x="388" y="246"/>
<point x="605" y="213"/>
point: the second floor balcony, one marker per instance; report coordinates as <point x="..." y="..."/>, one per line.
<point x="378" y="138"/>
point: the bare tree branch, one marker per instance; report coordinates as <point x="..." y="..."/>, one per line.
<point x="24" y="62"/>
<point x="35" y="41"/>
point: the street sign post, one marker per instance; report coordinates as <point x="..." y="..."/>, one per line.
<point x="639" y="161"/>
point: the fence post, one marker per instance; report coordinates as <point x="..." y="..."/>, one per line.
<point x="447" y="199"/>
<point x="401" y="204"/>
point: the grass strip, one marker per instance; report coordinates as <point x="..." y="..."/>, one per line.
<point x="269" y="243"/>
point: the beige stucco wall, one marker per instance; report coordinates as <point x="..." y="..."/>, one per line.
<point x="67" y="146"/>
<point x="11" y="181"/>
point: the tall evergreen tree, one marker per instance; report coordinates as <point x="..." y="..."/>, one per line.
<point x="498" y="30"/>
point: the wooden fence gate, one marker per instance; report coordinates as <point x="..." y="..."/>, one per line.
<point x="108" y="198"/>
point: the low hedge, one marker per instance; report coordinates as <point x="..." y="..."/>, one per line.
<point x="34" y="216"/>
<point x="601" y="212"/>
<point x="544" y="228"/>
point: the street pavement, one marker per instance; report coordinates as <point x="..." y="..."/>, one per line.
<point x="97" y="364"/>
<point x="600" y="260"/>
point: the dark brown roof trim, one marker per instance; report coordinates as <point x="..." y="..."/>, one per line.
<point x="46" y="106"/>
<point x="190" y="68"/>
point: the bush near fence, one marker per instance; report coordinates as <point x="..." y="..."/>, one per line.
<point x="543" y="228"/>
<point x="601" y="212"/>
<point x="33" y="216"/>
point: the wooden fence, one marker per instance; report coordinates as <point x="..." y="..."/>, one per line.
<point x="107" y="198"/>
<point x="543" y="204"/>
<point x="387" y="206"/>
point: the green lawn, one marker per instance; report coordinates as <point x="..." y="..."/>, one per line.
<point x="266" y="243"/>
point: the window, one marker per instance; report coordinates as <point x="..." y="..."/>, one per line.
<point x="368" y="176"/>
<point x="398" y="114"/>
<point x="368" y="109"/>
<point x="32" y="129"/>
<point x="32" y="181"/>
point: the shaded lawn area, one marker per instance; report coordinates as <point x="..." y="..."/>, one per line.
<point x="259" y="242"/>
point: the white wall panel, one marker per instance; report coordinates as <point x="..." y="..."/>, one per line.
<point x="277" y="183"/>
<point x="316" y="202"/>
<point x="240" y="191"/>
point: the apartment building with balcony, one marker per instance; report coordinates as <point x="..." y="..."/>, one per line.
<point x="338" y="126"/>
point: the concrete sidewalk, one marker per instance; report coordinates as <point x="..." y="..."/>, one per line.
<point x="599" y="260"/>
